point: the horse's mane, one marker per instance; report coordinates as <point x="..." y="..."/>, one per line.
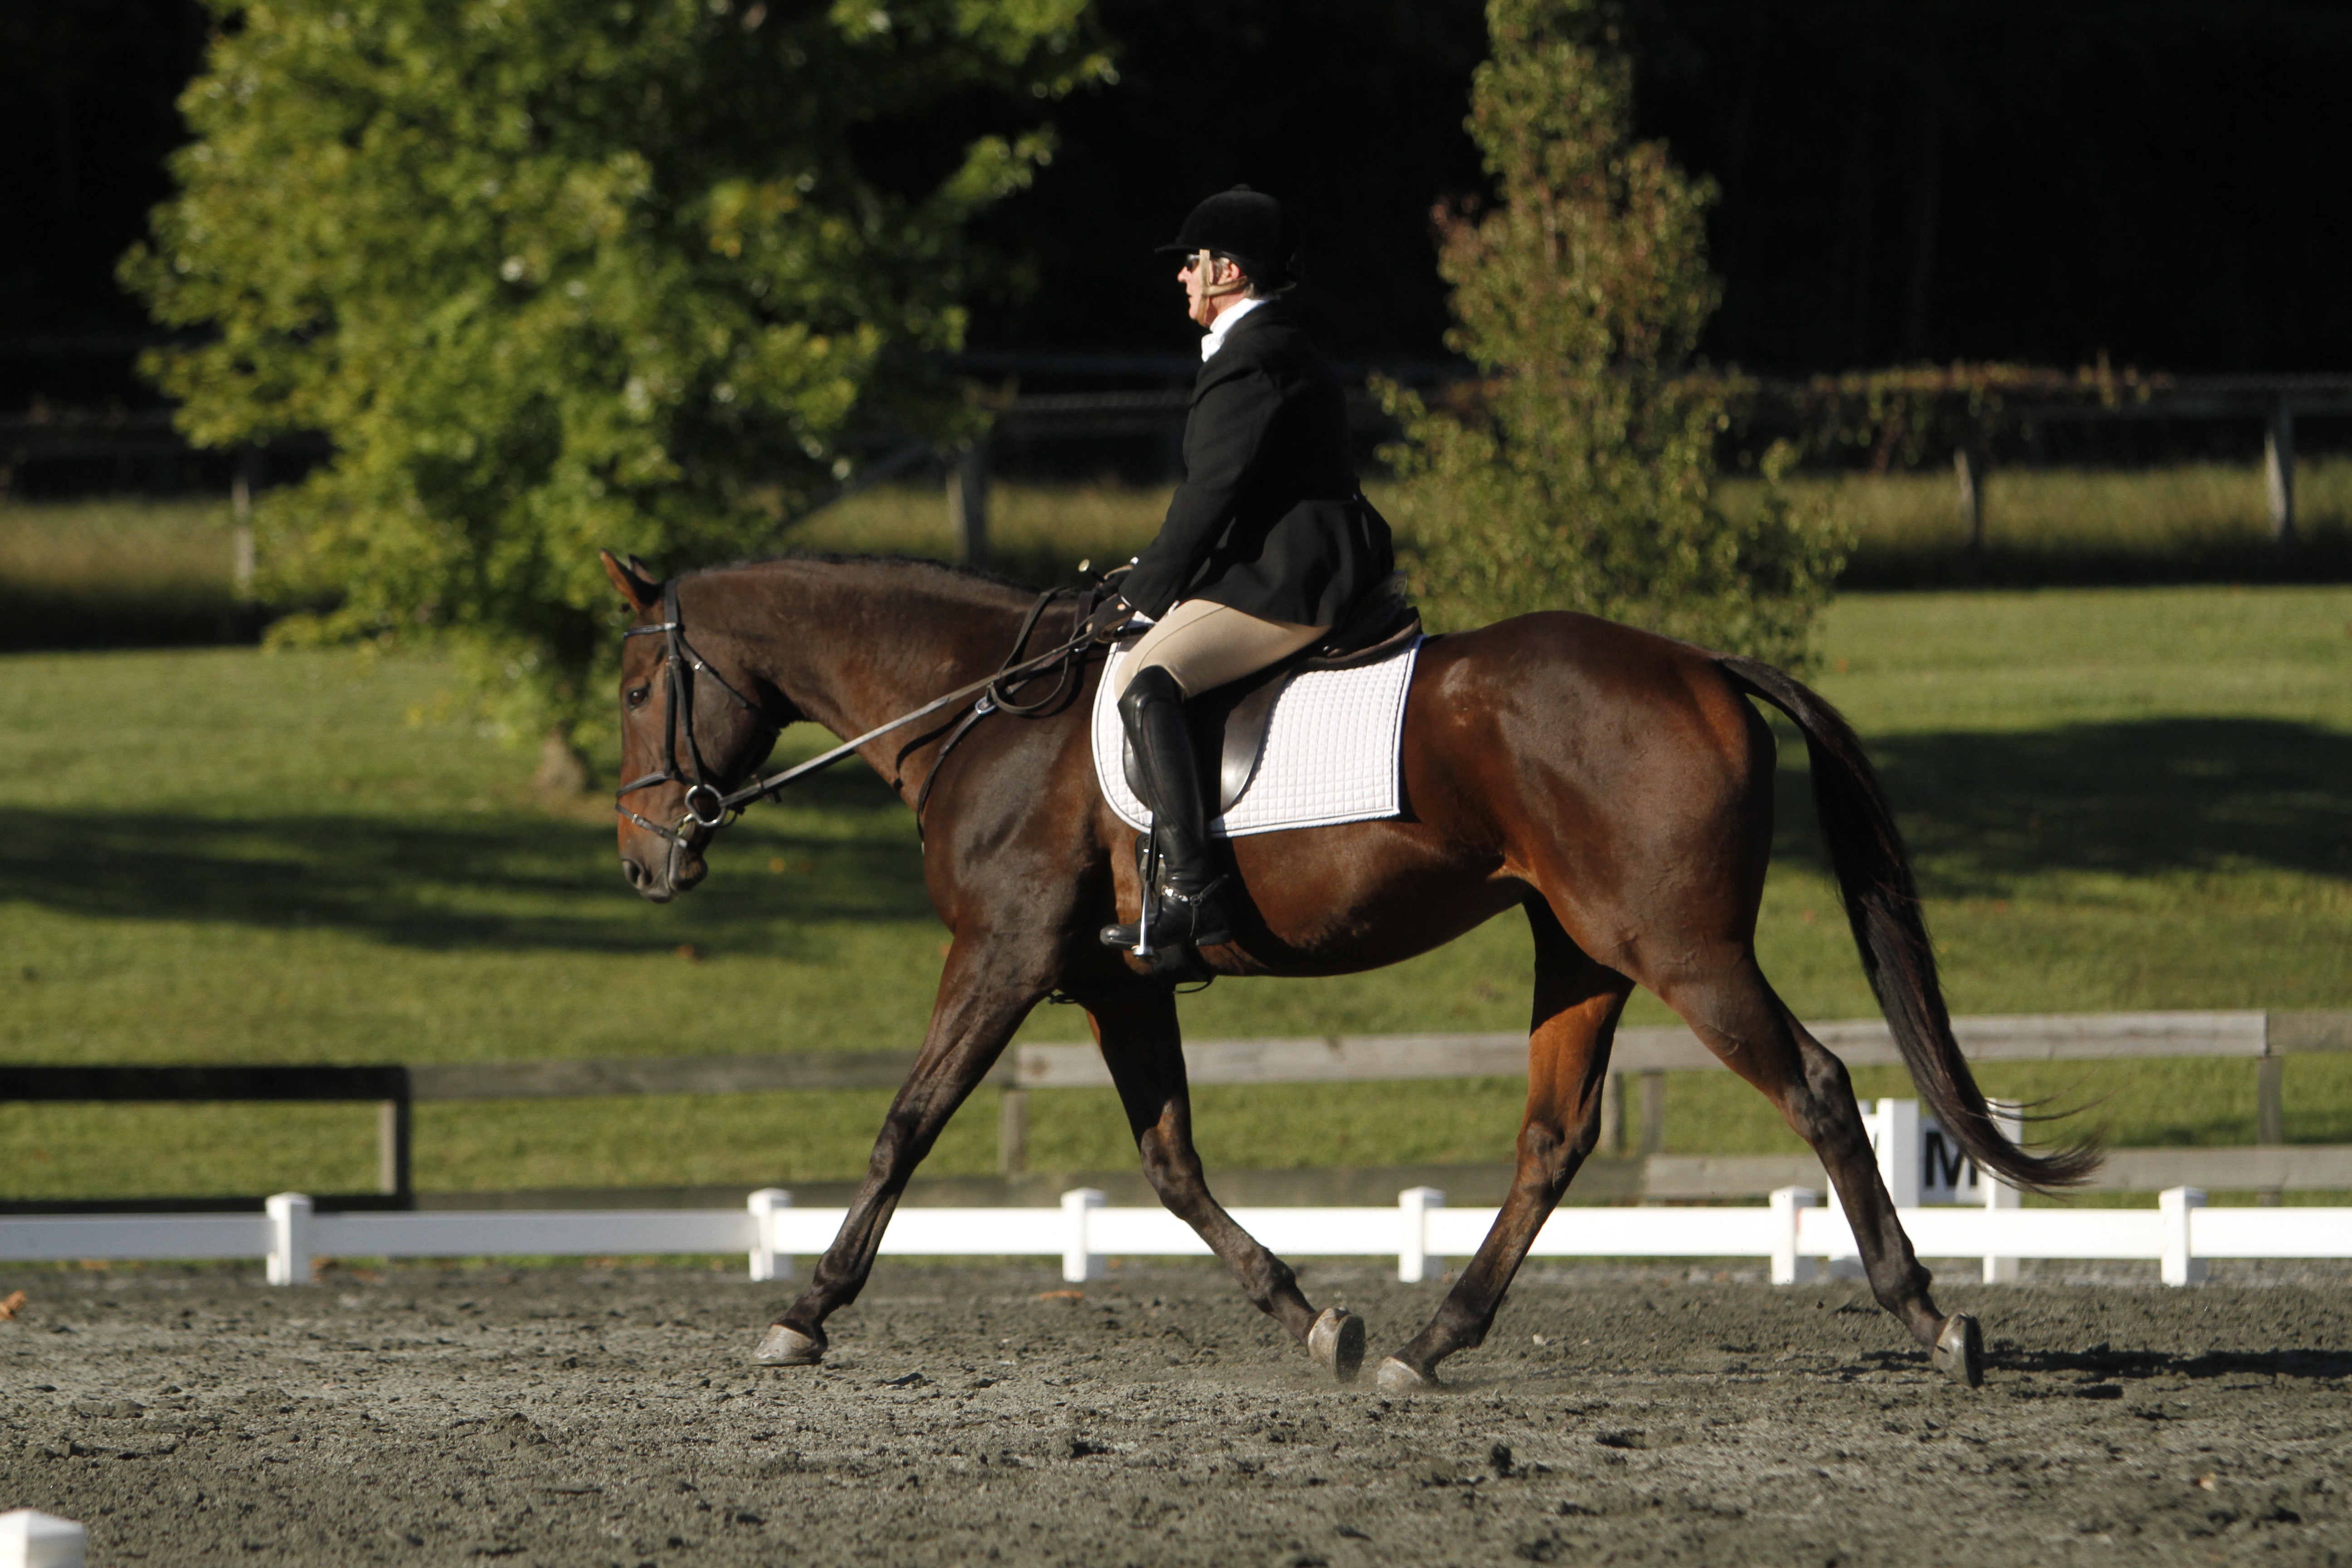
<point x="974" y="575"/>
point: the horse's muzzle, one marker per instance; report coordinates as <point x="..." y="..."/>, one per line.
<point x="676" y="873"/>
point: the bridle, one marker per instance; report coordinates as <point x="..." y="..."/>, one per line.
<point x="708" y="808"/>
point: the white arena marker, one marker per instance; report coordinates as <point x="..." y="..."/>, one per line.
<point x="769" y="1262"/>
<point x="1415" y="1263"/>
<point x="1080" y="1261"/>
<point x="290" y="1218"/>
<point x="1790" y="1266"/>
<point x="30" y="1540"/>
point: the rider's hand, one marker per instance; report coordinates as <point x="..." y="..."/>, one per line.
<point x="1110" y="615"/>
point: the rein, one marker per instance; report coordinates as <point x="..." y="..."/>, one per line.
<point x="708" y="809"/>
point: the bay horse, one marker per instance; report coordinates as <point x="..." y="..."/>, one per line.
<point x="1615" y="786"/>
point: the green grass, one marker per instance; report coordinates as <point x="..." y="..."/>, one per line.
<point x="126" y="572"/>
<point x="2172" y="507"/>
<point x="2184" y="523"/>
<point x="2056" y="525"/>
<point x="1037" y="533"/>
<point x="2119" y="799"/>
<point x="109" y="573"/>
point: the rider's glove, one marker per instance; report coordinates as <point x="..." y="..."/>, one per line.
<point x="1110" y="615"/>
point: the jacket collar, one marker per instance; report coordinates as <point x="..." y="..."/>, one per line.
<point x="1264" y="312"/>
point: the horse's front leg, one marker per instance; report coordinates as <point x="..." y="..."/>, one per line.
<point x="1143" y="1048"/>
<point x="987" y="988"/>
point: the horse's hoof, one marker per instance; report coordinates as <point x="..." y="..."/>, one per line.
<point x="1960" y="1349"/>
<point x="1336" y="1340"/>
<point x="1395" y="1377"/>
<point x="788" y="1347"/>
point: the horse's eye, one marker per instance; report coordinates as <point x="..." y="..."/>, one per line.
<point x="636" y="696"/>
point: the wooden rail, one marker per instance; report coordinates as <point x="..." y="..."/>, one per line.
<point x="312" y="1083"/>
<point x="1645" y="1055"/>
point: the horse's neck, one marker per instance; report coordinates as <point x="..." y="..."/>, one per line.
<point x="857" y="644"/>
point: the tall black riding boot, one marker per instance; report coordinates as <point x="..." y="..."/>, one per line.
<point x="1189" y="909"/>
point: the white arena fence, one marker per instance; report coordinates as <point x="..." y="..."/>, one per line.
<point x="1947" y="1211"/>
<point x="1795" y="1233"/>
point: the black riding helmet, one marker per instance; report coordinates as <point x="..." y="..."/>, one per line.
<point x="1253" y="229"/>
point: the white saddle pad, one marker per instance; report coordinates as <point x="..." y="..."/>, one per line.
<point x="1331" y="752"/>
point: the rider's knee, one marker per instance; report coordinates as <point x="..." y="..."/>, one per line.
<point x="1150" y="684"/>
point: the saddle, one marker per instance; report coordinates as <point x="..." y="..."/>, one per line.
<point x="1229" y="724"/>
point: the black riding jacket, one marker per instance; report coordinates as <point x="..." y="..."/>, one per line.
<point x="1269" y="519"/>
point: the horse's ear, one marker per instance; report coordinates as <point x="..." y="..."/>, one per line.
<point x="635" y="582"/>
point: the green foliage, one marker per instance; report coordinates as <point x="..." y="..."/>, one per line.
<point x="553" y="276"/>
<point x="1579" y="471"/>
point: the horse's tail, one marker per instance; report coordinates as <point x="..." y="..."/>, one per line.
<point x="1881" y="905"/>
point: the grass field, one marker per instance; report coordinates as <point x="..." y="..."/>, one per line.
<point x="2205" y="522"/>
<point x="2118" y="798"/>
<point x="2186" y="523"/>
<point x="107" y="573"/>
<point x="150" y="572"/>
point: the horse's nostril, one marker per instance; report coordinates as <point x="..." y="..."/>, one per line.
<point x="632" y="871"/>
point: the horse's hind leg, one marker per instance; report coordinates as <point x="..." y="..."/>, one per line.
<point x="1735" y="1012"/>
<point x="1143" y="1048"/>
<point x="1577" y="1003"/>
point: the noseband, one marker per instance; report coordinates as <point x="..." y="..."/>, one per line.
<point x="708" y="809"/>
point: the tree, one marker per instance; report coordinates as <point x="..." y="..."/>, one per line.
<point x="553" y="276"/>
<point x="1578" y="471"/>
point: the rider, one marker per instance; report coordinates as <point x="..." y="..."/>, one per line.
<point x="1267" y="545"/>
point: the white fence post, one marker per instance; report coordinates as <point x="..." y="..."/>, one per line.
<point x="2008" y="1119"/>
<point x="1901" y="1151"/>
<point x="2175" y="1264"/>
<point x="1079" y="1263"/>
<point x="1893" y="1127"/>
<point x="1413" y="1260"/>
<point x="31" y="1540"/>
<point x="1790" y="1267"/>
<point x="2278" y="471"/>
<point x="769" y="1262"/>
<point x="289" y="1238"/>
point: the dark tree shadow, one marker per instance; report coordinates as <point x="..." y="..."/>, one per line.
<point x="1981" y="810"/>
<point x="2324" y="554"/>
<point x="513" y="881"/>
<point x="2105" y="1364"/>
<point x="2105" y="1361"/>
<point x="49" y="619"/>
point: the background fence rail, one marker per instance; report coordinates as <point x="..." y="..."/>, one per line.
<point x="1644" y="1054"/>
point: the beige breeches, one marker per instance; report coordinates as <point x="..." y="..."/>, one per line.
<point x="1205" y="644"/>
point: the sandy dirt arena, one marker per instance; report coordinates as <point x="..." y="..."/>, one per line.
<point x="576" y="1417"/>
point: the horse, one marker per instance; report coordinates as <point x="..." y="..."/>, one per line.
<point x="1613" y="784"/>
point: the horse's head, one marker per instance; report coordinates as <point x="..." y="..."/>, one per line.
<point x="690" y="733"/>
